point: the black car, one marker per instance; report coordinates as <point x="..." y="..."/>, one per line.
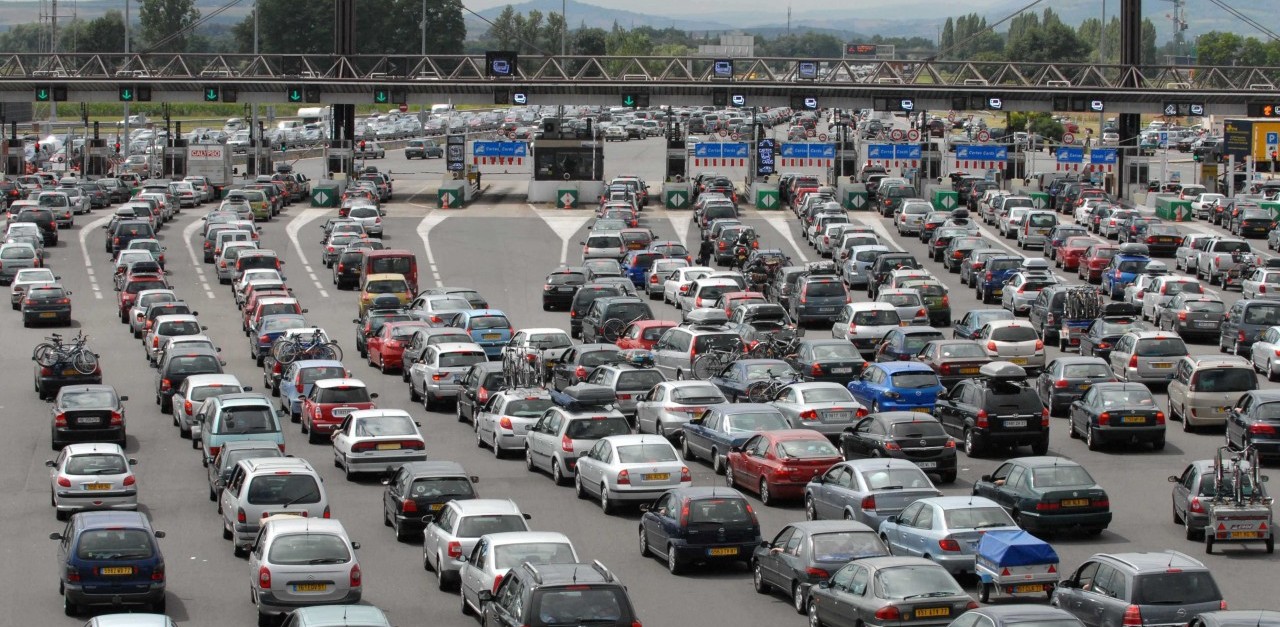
<point x="886" y="264"/>
<point x="827" y="360"/>
<point x="350" y="265"/>
<point x="177" y="366"/>
<point x="809" y="551"/>
<point x="97" y="195"/>
<point x="626" y="309"/>
<point x="44" y="220"/>
<point x="1253" y="223"/>
<point x="1047" y="311"/>
<point x="995" y="409"/>
<point x="1254" y="421"/>
<point x="128" y="230"/>
<point x="909" y="435"/>
<point x="560" y="287"/>
<point x="87" y="413"/>
<point x="1110" y="412"/>
<point x="480" y="381"/>
<point x="557" y="594"/>
<point x="578" y="362"/>
<point x="1102" y="334"/>
<point x="582" y="301"/>
<point x="46" y="303"/>
<point x="699" y="525"/>
<point x="1047" y="494"/>
<point x="421" y="488"/>
<point x="372" y="322"/>
<point x="48" y="380"/>
<point x="1163" y="240"/>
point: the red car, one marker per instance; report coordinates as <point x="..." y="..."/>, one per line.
<point x="1071" y="250"/>
<point x="386" y="349"/>
<point x="328" y="404"/>
<point x="729" y="299"/>
<point x="779" y="464"/>
<point x="136" y="283"/>
<point x="643" y="334"/>
<point x="1094" y="260"/>
<point x="266" y="306"/>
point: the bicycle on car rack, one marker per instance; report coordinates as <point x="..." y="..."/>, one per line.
<point x="524" y="368"/>
<point x="53" y="352"/>
<point x="305" y="346"/>
<point x="764" y="390"/>
<point x="713" y="362"/>
<point x="612" y="328"/>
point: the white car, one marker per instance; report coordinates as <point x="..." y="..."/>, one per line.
<point x="452" y="534"/>
<point x="25" y="279"/>
<point x="1014" y="341"/>
<point x="865" y="324"/>
<point x="1185" y="257"/>
<point x="629" y="468"/>
<point x="1164" y="288"/>
<point x="377" y="440"/>
<point x="1262" y="284"/>
<point x="495" y="554"/>
<point x="190" y="396"/>
<point x="99" y="469"/>
<point x="1266" y="353"/>
<point x="507" y="417"/>
<point x="1012" y="221"/>
<point x="1204" y="203"/>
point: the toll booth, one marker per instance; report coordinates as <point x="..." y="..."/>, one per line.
<point x="677" y="155"/>
<point x="340" y="160"/>
<point x="95" y="162"/>
<point x="258" y="158"/>
<point x="175" y="159"/>
<point x="563" y="159"/>
<point x="14" y="157"/>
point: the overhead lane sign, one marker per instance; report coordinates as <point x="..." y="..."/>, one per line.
<point x="895" y="155"/>
<point x="981" y="157"/>
<point x="1102" y="159"/>
<point x="499" y="153"/>
<point x="1069" y="158"/>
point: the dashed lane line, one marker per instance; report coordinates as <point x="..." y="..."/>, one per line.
<point x="197" y="259"/>
<point x="92" y="227"/>
<point x="292" y="229"/>
<point x="783" y="227"/>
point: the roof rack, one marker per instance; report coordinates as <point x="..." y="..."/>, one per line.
<point x="584" y="395"/>
<point x="600" y="568"/>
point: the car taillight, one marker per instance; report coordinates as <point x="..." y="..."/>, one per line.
<point x="497" y="581"/>
<point x="991" y="346"/>
<point x="409" y="506"/>
<point x="1262" y="429"/>
<point x="455" y="549"/>
<point x="566" y="444"/>
<point x="868" y="503"/>
<point x="482" y="395"/>
<point x="948" y="544"/>
<point x="1039" y="345"/>
<point x="130" y="480"/>
<point x="59" y="419"/>
<point x="980" y="421"/>
<point x="240" y="516"/>
<point x="1133" y="361"/>
<point x="264" y="577"/>
<point x="117" y="419"/>
<point x="990" y="276"/>
<point x="1104" y="418"/>
<point x="73" y="574"/>
<point x="64" y="482"/>
<point x="624" y="478"/>
<point x="817" y="572"/>
<point x="1132" y="616"/>
<point x="809" y="414"/>
<point x="355" y="576"/>
<point x="505" y="423"/>
<point x="888" y="612"/>
<point x="166" y="385"/>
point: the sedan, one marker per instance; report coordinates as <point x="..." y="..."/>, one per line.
<point x="1117" y="412"/>
<point x="954" y="360"/>
<point x="866" y="490"/>
<point x="1069" y="255"/>
<point x="1025" y="615"/>
<point x="778" y="464"/>
<point x="622" y="469"/>
<point x="495" y="554"/>
<point x="1103" y="333"/>
<point x="91" y="476"/>
<point x="807" y="552"/>
<point x="1047" y="494"/>
<point x="885" y="590"/>
<point x="831" y="360"/>
<point x="677" y="283"/>
<point x="827" y="408"/>
<point x="908" y="435"/>
<point x="666" y="408"/>
<point x="741" y="374"/>
<point x="1066" y="379"/>
<point x="377" y="440"/>
<point x="46" y="303"/>
<point x="25" y="279"/>
<point x="945" y="529"/>
<point x="88" y="412"/>
<point x="713" y="434"/>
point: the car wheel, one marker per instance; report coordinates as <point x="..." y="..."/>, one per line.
<point x="557" y="475"/>
<point x="69" y="608"/>
<point x="1158" y="443"/>
<point x="972" y="445"/>
<point x="728" y="477"/>
<point x="1091" y="439"/>
<point x="757" y="579"/>
<point x="673" y="561"/>
<point x="606" y="504"/>
<point x="765" y="497"/>
<point x="528" y="459"/>
<point x="814" y="621"/>
<point x="797" y="597"/>
<point x="1190" y="532"/>
<point x="686" y="451"/>
<point x="717" y="464"/>
<point x="442" y="582"/>
<point x="810" y="509"/>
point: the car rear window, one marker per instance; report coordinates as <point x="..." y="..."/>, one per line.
<point x="719" y="510"/>
<point x="900" y="299"/>
<point x="1042" y="219"/>
<point x="567" y="278"/>
<point x="391" y="265"/>
<point x="579" y="604"/>
<point x="476" y="526"/>
<point x="194" y="364"/>
<point x="594" y="429"/>
<point x="512" y="555"/>
<point x="1014" y="334"/>
<point x="877" y="318"/>
<point x="206" y="392"/>
<point x="274" y="489"/>
<point x="1061" y="476"/>
<point x="903" y="582"/>
<point x="916" y="429"/>
<point x="818" y="289"/>
<point x="96" y="464"/>
<point x="179" y="327"/>
<point x="386" y="287"/>
<point x="114" y="544"/>
<point x="527" y="408"/>
<point x="807" y="449"/>
<point x="1081" y="371"/>
<point x="436" y="487"/>
<point x="87" y="399"/>
<point x="976" y="517"/>
<point x="308" y="548"/>
<point x="697" y="394"/>
<point x="845" y="546"/>
<point x="717" y="341"/>
<point x="646" y="454"/>
<point x="636" y="380"/>
<point x="1160" y="347"/>
<point x="253" y="419"/>
<point x="914" y="380"/>
<point x="343" y="394"/>
<point x="604" y="241"/>
<point x="490" y="322"/>
<point x="997" y="265"/>
<point x="895" y="478"/>
<point x="1224" y="380"/>
<point x="1175" y="588"/>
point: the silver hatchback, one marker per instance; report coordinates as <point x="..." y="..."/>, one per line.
<point x="301" y="562"/>
<point x="1147" y="356"/>
<point x="666" y="408"/>
<point x="434" y="377"/>
<point x="92" y="476"/>
<point x="453" y="533"/>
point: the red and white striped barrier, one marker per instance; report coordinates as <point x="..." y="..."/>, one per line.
<point x="720" y="163"/>
<point x="979" y="165"/>
<point x="805" y="163"/>
<point x="1068" y="167"/>
<point x="1101" y="167"/>
<point x="896" y="163"/>
<point x="497" y="160"/>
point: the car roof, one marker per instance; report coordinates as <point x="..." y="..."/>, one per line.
<point x="1044" y="460"/>
<point x="1156" y="560"/>
<point x="522" y="537"/>
<point x="107" y="518"/>
<point x="481" y="507"/>
<point x="211" y="379"/>
<point x="243" y="398"/>
<point x="84" y="448"/>
<point x="434" y="469"/>
<point x="297" y="524"/>
<point x="239" y="445"/>
<point x="89" y="387"/>
<point x="131" y="620"/>
<point x="342" y="382"/>
<point x="339" y="615"/>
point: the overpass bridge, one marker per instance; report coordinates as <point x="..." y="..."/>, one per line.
<point x="674" y="80"/>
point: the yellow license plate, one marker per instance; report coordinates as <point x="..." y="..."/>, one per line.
<point x="921" y="410"/>
<point x="732" y="550"/>
<point x="1244" y="535"/>
<point x="98" y="486"/>
<point x="1161" y="364"/>
<point x="657" y="476"/>
<point x="70" y="372"/>
<point x="1075" y="502"/>
<point x="435" y="507"/>
<point x="1086" y="386"/>
<point x="1224" y="409"/>
<point x="389" y="446"/>
<point x="929" y="612"/>
<point x="1029" y="587"/>
<point x="1130" y="419"/>
<point x="117" y="570"/>
<point x="311" y="587"/>
<point x="491" y="336"/>
<point x="1021" y="361"/>
<point x="49" y="314"/>
<point x="969" y="371"/>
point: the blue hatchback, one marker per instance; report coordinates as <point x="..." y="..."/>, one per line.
<point x="296" y="380"/>
<point x="897" y="386"/>
<point x="110" y="558"/>
<point x="489" y="328"/>
<point x="637" y="263"/>
<point x="1123" y="270"/>
<point x="991" y="278"/>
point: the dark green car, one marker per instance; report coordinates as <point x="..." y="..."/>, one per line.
<point x="1046" y="494"/>
<point x="936" y="300"/>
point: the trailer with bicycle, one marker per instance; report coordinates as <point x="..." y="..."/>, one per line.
<point x="1082" y="305"/>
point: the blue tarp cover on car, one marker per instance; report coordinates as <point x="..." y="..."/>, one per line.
<point x="1015" y="548"/>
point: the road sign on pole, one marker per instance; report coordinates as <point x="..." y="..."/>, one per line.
<point x="913" y="135"/>
<point x="1068" y="138"/>
<point x="897" y="135"/>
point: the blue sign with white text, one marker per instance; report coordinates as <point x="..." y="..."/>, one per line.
<point x="500" y="149"/>
<point x="1070" y="154"/>
<point x="982" y="153"/>
<point x="721" y="150"/>
<point x="879" y="152"/>
<point x="1102" y="156"/>
<point x="805" y="150"/>
<point x="907" y="151"/>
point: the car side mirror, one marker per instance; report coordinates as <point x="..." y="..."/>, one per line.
<point x="527" y="516"/>
<point x="1174" y="479"/>
<point x="485" y="596"/>
<point x="355" y="545"/>
<point x="986" y="478"/>
<point x="124" y="398"/>
<point x="195" y="434"/>
<point x="55" y="536"/>
<point x="1066" y="583"/>
<point x="428" y="519"/>
<point x="133" y="462"/>
<point x="386" y="481"/>
<point x="160" y="534"/>
<point x="892" y="519"/>
<point x="355" y="321"/>
<point x="373" y="395"/>
<point x="735" y="449"/>
<point x="50" y="463"/>
<point x="824" y="584"/>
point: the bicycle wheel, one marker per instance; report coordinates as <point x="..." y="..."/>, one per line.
<point x="335" y="351"/>
<point x="84" y="361"/>
<point x="758" y="392"/>
<point x="705" y="366"/>
<point x="45" y="354"/>
<point x="285" y="352"/>
<point x="612" y="329"/>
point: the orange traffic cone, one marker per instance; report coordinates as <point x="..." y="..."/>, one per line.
<point x="444" y="201"/>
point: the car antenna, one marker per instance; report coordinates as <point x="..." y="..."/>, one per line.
<point x="575" y="574"/>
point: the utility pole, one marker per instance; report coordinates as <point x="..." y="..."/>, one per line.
<point x="1130" y="55"/>
<point x="53" y="49"/>
<point x="424" y="29"/>
<point x="124" y="141"/>
<point x="564" y="28"/>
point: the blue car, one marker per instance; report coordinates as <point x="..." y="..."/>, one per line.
<point x="904" y="343"/>
<point x="636" y="264"/>
<point x="269" y="329"/>
<point x="296" y="380"/>
<point x="112" y="559"/>
<point x="489" y="328"/>
<point x="897" y="386"/>
<point x="724" y="426"/>
<point x="1123" y="270"/>
<point x="990" y="280"/>
<point x="678" y="527"/>
<point x="736" y="378"/>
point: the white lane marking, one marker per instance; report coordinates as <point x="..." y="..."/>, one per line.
<point x="84" y="250"/>
<point x="565" y="225"/>
<point x="783" y="227"/>
<point x="429" y="222"/>
<point x="419" y="193"/>
<point x="886" y="237"/>
<point x="197" y="259"/>
<point x="295" y="225"/>
<point x="681" y="222"/>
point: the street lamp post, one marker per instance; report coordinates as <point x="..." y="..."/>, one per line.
<point x="564" y="27"/>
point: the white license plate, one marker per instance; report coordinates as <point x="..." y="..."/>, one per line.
<point x="565" y="289"/>
<point x="89" y="420"/>
<point x="1015" y="424"/>
<point x="839" y="416"/>
<point x="826" y="310"/>
<point x="841" y="370"/>
<point x="1206" y="324"/>
<point x="927" y="465"/>
<point x="342" y="411"/>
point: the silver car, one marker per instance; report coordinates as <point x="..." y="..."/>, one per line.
<point x="629" y="468"/>
<point x="666" y="408"/>
<point x="1022" y="289"/>
<point x="191" y="395"/>
<point x="453" y="533"/>
<point x="92" y="476"/>
<point x="857" y="269"/>
<point x="1014" y="341"/>
<point x="370" y="217"/>
<point x="910" y="218"/>
<point x="866" y="490"/>
<point x="497" y="553"/>
<point x="166" y="327"/>
<point x="945" y="529"/>
<point x="628" y="382"/>
<point x="27" y="278"/>
<point x="299" y="562"/>
<point x="659" y="270"/>
<point x="509" y="415"/>
<point x="865" y="324"/>
<point x="603" y="245"/>
<point x="827" y="408"/>
<point x="1147" y="356"/>
<point x="907" y="302"/>
<point x="15" y="257"/>
<point x="433" y="377"/>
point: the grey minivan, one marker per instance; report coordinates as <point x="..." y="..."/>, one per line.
<point x="818" y="298"/>
<point x="1155" y="588"/>
<point x="1245" y="322"/>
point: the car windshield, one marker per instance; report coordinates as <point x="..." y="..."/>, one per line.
<point x="646" y="454"/>
<point x="194" y="364"/>
<point x="900" y="300"/>
<point x="901" y="582"/>
<point x="96" y="399"/>
<point x="278" y="489"/>
<point x="253" y="419"/>
<point x="916" y="429"/>
<point x="845" y="546"/>
<point x="1179" y="589"/>
<point x="1161" y="347"/>
<point x="459" y="360"/>
<point x="378" y="426"/>
<point x="512" y="555"/>
<point x="596" y="428"/>
<point x="298" y="549"/>
<point x="807" y="449"/>
<point x="436" y="487"/>
<point x="1224" y="380"/>
<point x="490" y="322"/>
<point x="476" y="526"/>
<point x="1085" y="371"/>
<point x="115" y="544"/>
<point x="877" y="317"/>
<point x="96" y="464"/>
<point x="977" y="518"/>
<point x="1061" y="476"/>
<point x="636" y="380"/>
<point x="697" y="394"/>
<point x="1014" y="334"/>
<point x="719" y="510"/>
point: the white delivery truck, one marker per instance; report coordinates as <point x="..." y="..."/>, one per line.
<point x="212" y="161"/>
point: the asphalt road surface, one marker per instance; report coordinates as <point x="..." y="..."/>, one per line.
<point x="503" y="247"/>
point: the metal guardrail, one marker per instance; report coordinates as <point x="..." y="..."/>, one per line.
<point x="433" y="73"/>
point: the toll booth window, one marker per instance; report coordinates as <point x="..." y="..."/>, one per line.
<point x="580" y="164"/>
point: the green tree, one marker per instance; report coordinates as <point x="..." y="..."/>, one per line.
<point x="592" y="42"/>
<point x="1043" y="124"/>
<point x="24" y="38"/>
<point x="1149" y="42"/>
<point x="1218" y="48"/>
<point x="948" y="35"/>
<point x="163" y="23"/>
<point x="1051" y="41"/>
<point x="103" y="34"/>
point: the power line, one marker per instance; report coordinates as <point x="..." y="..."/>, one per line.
<point x="1246" y="19"/>
<point x="516" y="36"/>
<point x="986" y="30"/>
<point x="189" y="29"/>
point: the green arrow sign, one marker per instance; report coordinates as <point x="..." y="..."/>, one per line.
<point x="42" y="95"/>
<point x="380" y="96"/>
<point x="126" y="94"/>
<point x="295" y="95"/>
<point x="211" y="95"/>
<point x="628" y="101"/>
